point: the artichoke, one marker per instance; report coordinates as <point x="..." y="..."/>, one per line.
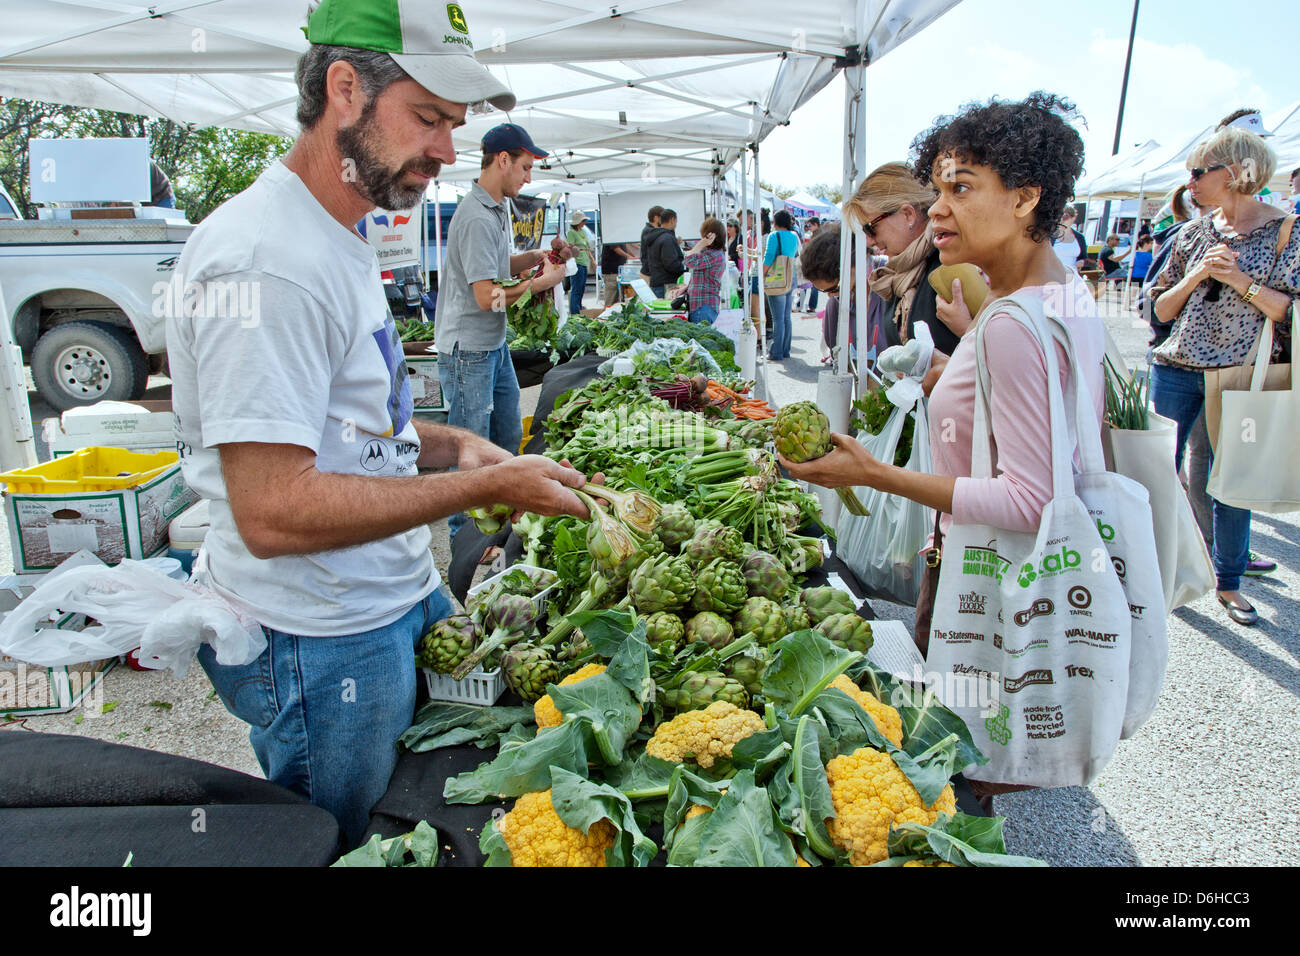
<point x="765" y="575"/>
<point x="713" y="542"/>
<point x="491" y="519"/>
<point x="748" y="671"/>
<point x="848" y="631"/>
<point x="796" y="618"/>
<point x="720" y="587"/>
<point x="763" y="618"/>
<point x="802" y="432"/>
<point x="713" y="629"/>
<point x="825" y="601"/>
<point x="664" y="630"/>
<point x="512" y="617"/>
<point x="636" y="509"/>
<point x="675" y="526"/>
<point x="702" y="688"/>
<point x="528" y="670"/>
<point x="447" y="643"/>
<point x="574" y="649"/>
<point x="610" y="543"/>
<point x="663" y="584"/>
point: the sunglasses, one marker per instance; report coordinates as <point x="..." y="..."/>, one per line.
<point x="870" y="228"/>
<point x="1198" y="172"/>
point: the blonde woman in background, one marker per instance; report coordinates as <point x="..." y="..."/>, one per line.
<point x="892" y="205"/>
<point x="1224" y="279"/>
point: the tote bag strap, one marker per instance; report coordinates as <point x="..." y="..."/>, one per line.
<point x="1019" y="307"/>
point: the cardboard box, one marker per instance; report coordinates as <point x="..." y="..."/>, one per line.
<point x="426" y="388"/>
<point x="136" y="426"/>
<point x="124" y="522"/>
<point x="27" y="690"/>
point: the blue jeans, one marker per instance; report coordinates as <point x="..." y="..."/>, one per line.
<point x="326" y="712"/>
<point x="658" y="290"/>
<point x="482" y="397"/>
<point x="781" y="330"/>
<point x="705" y="314"/>
<point x="577" y="286"/>
<point x="1179" y="394"/>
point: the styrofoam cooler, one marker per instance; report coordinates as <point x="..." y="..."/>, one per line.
<point x="186" y="534"/>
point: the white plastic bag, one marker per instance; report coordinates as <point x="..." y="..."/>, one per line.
<point x="136" y="606"/>
<point x="883" y="549"/>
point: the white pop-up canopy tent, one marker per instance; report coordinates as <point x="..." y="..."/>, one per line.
<point x="641" y="89"/>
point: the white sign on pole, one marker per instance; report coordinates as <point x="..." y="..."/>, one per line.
<point x="90" y="170"/>
<point x="395" y="236"/>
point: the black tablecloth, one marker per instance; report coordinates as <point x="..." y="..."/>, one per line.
<point x="75" y="801"/>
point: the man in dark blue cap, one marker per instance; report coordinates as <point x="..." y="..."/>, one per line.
<point x="474" y="364"/>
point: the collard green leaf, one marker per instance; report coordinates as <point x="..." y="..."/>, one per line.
<point x="743" y="829"/>
<point x="441" y="723"/>
<point x="962" y="839"/>
<point x="581" y="803"/>
<point x="803" y="663"/>
<point x="524" y="768"/>
<point x="605" y="708"/>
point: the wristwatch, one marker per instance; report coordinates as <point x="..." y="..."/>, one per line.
<point x="1252" y="291"/>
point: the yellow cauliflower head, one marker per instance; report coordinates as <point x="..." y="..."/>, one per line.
<point x="704" y="735"/>
<point x="886" y="718"/>
<point x="538" y="837"/>
<point x="870" y="794"/>
<point x="544" y="710"/>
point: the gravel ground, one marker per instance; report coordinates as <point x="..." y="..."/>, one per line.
<point x="1210" y="780"/>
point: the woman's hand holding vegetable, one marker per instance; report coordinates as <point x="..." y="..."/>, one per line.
<point x="847" y="465"/>
<point x="954" y="314"/>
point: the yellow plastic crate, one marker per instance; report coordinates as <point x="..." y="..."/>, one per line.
<point x="91" y="469"/>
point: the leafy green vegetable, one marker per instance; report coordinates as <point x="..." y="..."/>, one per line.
<point x="874" y="410"/>
<point x="962" y="839"/>
<point x="441" y="723"/>
<point x="580" y="803"/>
<point x="926" y="721"/>
<point x="417" y="848"/>
<point x="523" y="768"/>
<point x="803" y="663"/>
<point x="743" y="829"/>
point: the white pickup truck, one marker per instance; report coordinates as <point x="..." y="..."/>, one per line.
<point x="83" y="301"/>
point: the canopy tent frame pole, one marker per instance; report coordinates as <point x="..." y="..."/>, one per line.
<point x="17" y="440"/>
<point x="744" y="232"/>
<point x="761" y="362"/>
<point x="1137" y="228"/>
<point x="854" y="149"/>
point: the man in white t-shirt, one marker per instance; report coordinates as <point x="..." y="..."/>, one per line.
<point x="294" y="413"/>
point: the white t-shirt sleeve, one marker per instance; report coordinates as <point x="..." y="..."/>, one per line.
<point x="266" y="377"/>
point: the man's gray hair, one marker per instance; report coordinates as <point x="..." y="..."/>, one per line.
<point x="377" y="71"/>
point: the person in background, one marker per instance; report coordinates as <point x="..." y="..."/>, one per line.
<point x="1006" y="231"/>
<point x="1069" y="244"/>
<point x="819" y="263"/>
<point x="733" y="242"/>
<point x="1295" y="187"/>
<point x="649" y="229"/>
<point x="160" y="188"/>
<point x="891" y="205"/>
<point x="781" y="242"/>
<point x="661" y="255"/>
<point x="808" y="293"/>
<point x="1141" y="266"/>
<point x="1107" y="261"/>
<point x="474" y="364"/>
<point x="612" y="256"/>
<point x="1224" y="279"/>
<point x="579" y="237"/>
<point x="707" y="261"/>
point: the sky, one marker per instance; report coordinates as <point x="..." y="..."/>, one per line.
<point x="1194" y="61"/>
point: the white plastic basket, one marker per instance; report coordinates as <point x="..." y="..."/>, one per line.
<point x="540" y="599"/>
<point x="479" y="686"/>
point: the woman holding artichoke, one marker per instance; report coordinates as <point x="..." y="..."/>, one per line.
<point x="1003" y="173"/>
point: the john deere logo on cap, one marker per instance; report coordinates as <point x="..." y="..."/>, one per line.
<point x="457" y="18"/>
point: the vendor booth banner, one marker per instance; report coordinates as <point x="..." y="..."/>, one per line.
<point x="394" y="235"/>
<point x="528" y="214"/>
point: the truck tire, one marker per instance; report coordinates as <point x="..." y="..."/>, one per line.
<point x="80" y="363"/>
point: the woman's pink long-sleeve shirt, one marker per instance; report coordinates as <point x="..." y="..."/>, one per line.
<point x="1022" y="450"/>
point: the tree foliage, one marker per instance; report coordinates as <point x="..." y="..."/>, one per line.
<point x="206" y="165"/>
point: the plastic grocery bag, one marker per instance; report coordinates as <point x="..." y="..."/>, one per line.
<point x="883" y="549"/>
<point x="136" y="606"/>
<point x="1032" y="635"/>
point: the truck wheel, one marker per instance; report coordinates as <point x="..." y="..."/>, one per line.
<point x="80" y="363"/>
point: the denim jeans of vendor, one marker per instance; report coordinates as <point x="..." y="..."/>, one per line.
<point x="705" y="314"/>
<point x="326" y="712"/>
<point x="659" y="290"/>
<point x="577" y="286"/>
<point x="482" y="396"/>
<point x="781" y="330"/>
<point x="1179" y="394"/>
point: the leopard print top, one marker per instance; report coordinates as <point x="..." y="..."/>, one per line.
<point x="1223" y="333"/>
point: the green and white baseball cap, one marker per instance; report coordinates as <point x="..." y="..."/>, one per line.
<point x="428" y="39"/>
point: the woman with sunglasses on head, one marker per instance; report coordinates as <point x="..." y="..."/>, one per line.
<point x="891" y="206"/>
<point x="1225" y="278"/>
